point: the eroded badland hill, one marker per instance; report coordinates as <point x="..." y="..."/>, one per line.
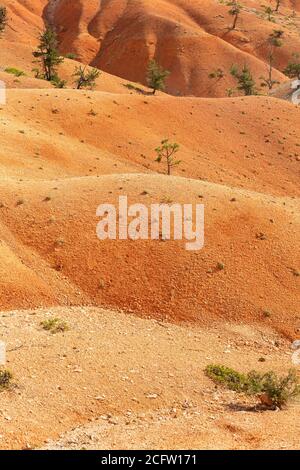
<point x="144" y="318"/>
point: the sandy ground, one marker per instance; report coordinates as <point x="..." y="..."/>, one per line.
<point x="136" y="384"/>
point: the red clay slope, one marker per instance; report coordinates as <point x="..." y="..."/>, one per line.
<point x="55" y="156"/>
<point x="250" y="143"/>
<point x="189" y="38"/>
<point x="252" y="236"/>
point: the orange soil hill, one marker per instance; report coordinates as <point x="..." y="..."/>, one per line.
<point x="190" y="38"/>
<point x="64" y="152"/>
<point x="56" y="221"/>
<point x="54" y="157"/>
<point x="251" y="143"/>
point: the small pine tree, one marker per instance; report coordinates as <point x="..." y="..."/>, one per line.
<point x="3" y="18"/>
<point x="167" y="152"/>
<point x="48" y="56"/>
<point x="293" y="68"/>
<point x="156" y="76"/>
<point x="235" y="10"/>
<point x="85" y="78"/>
<point x="246" y="83"/>
<point x="274" y="41"/>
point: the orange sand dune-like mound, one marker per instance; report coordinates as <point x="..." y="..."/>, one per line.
<point x="67" y="152"/>
<point x="252" y="236"/>
<point x="251" y="143"/>
<point x="140" y="320"/>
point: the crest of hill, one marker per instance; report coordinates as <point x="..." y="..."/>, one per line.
<point x="20" y="58"/>
<point x="251" y="143"/>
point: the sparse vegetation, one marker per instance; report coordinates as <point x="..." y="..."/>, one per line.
<point x="156" y="76"/>
<point x="85" y="78"/>
<point x="132" y="87"/>
<point x="48" y="57"/>
<point x="5" y="379"/>
<point x="273" y="391"/>
<point x="293" y="68"/>
<point x="246" y="82"/>
<point x="274" y="41"/>
<point x="57" y="82"/>
<point x="129" y="86"/>
<point x="14" y="71"/>
<point x="55" y="325"/>
<point x="235" y="10"/>
<point x="220" y="266"/>
<point x="109" y="312"/>
<point x="3" y="18"/>
<point x="226" y="376"/>
<point x="71" y="55"/>
<point x="217" y="74"/>
<point x="269" y="13"/>
<point x="58" y="266"/>
<point x="167" y="152"/>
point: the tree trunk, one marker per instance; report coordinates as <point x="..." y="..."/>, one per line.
<point x="270" y="79"/>
<point x="235" y="22"/>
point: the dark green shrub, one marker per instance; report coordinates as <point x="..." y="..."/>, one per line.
<point x="156" y="76"/>
<point x="245" y="80"/>
<point x="85" y="78"/>
<point x="293" y="68"/>
<point x="228" y="377"/>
